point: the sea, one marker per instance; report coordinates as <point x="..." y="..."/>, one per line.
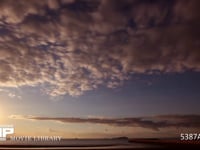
<point x="66" y="144"/>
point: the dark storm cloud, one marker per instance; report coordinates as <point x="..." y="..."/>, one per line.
<point x="73" y="46"/>
<point x="154" y="123"/>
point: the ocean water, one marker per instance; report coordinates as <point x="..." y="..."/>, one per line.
<point x="74" y="144"/>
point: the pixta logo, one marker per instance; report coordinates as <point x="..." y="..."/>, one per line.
<point x="5" y="130"/>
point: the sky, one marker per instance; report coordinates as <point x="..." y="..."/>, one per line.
<point x="100" y="68"/>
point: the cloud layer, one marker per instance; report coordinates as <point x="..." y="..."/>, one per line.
<point x="154" y="123"/>
<point x="73" y="46"/>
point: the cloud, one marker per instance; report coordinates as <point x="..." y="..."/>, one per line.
<point x="4" y="90"/>
<point x="75" y="46"/>
<point x="11" y="94"/>
<point x="153" y="123"/>
<point x="53" y="131"/>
